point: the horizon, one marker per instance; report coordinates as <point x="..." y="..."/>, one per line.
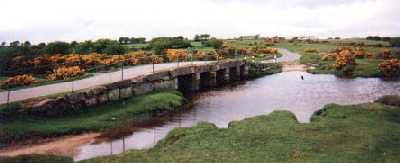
<point x="68" y="21"/>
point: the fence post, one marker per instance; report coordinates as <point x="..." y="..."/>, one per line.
<point x="153" y="66"/>
<point x="8" y="98"/>
<point x="72" y="86"/>
<point x="122" y="70"/>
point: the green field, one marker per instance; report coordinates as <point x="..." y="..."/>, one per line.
<point x="136" y="46"/>
<point x="356" y="133"/>
<point x="93" y="119"/>
<point x="360" y="40"/>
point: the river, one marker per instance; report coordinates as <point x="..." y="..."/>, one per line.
<point x="282" y="91"/>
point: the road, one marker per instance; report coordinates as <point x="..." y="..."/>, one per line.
<point x="287" y="56"/>
<point x="97" y="79"/>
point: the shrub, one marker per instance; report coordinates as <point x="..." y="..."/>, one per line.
<point x="267" y="50"/>
<point x="65" y="73"/>
<point x="390" y="100"/>
<point x="176" y="54"/>
<point x="113" y="59"/>
<point x="360" y="53"/>
<point x="213" y="42"/>
<point x="345" y="62"/>
<point x="390" y="68"/>
<point x="205" y="56"/>
<point x="385" y="54"/>
<point x="156" y="59"/>
<point x="19" y="80"/>
<point x="311" y="50"/>
<point x="329" y="57"/>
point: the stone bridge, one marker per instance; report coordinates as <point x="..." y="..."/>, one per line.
<point x="186" y="79"/>
<point x="199" y="77"/>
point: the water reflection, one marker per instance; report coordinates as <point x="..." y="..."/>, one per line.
<point x="284" y="91"/>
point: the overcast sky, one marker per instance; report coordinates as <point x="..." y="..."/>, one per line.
<point x="67" y="20"/>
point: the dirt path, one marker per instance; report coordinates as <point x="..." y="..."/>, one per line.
<point x="287" y="67"/>
<point x="65" y="146"/>
<point x="289" y="60"/>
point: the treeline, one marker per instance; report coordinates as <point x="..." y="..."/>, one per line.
<point x="159" y="44"/>
<point x="132" y="40"/>
<point x="101" y="46"/>
<point x="394" y="41"/>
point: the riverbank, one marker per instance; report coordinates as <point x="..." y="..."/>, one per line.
<point x="99" y="118"/>
<point x="354" y="133"/>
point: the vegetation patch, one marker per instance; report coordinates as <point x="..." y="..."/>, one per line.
<point x="257" y="69"/>
<point x="390" y="100"/>
<point x="36" y="159"/>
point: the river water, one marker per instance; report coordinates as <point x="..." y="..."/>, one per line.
<point x="283" y="91"/>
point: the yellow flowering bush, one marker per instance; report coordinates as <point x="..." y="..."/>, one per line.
<point x="390" y="68"/>
<point x="65" y="73"/>
<point x="19" y="80"/>
<point x="345" y="62"/>
<point x="311" y="50"/>
<point x="176" y="54"/>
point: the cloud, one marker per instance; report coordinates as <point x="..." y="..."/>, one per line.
<point x="48" y="20"/>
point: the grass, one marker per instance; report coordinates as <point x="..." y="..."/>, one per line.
<point x="361" y="40"/>
<point x="136" y="46"/>
<point x="94" y="119"/>
<point x="357" y="133"/>
<point x="36" y="159"/>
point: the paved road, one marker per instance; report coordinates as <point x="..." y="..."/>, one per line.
<point x="98" y="79"/>
<point x="287" y="56"/>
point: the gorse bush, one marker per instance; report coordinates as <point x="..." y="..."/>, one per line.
<point x="267" y="50"/>
<point x="176" y="54"/>
<point x="66" y="73"/>
<point x="385" y="54"/>
<point x="311" y="50"/>
<point x="390" y="68"/>
<point x="345" y="62"/>
<point x="328" y="56"/>
<point x="19" y="80"/>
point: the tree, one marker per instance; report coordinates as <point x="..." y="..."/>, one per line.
<point x="204" y="37"/>
<point x="57" y="47"/>
<point x="14" y="44"/>
<point x="213" y="42"/>
<point x="74" y="44"/>
<point x="161" y="43"/>
<point x="124" y="40"/>
<point x="3" y="43"/>
<point x="85" y="47"/>
<point x="140" y="40"/>
<point x="42" y="45"/>
<point x="26" y="44"/>
<point x="114" y="49"/>
<point x="395" y="41"/>
<point x="196" y="38"/>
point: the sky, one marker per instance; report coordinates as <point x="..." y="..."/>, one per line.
<point x="68" y="20"/>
